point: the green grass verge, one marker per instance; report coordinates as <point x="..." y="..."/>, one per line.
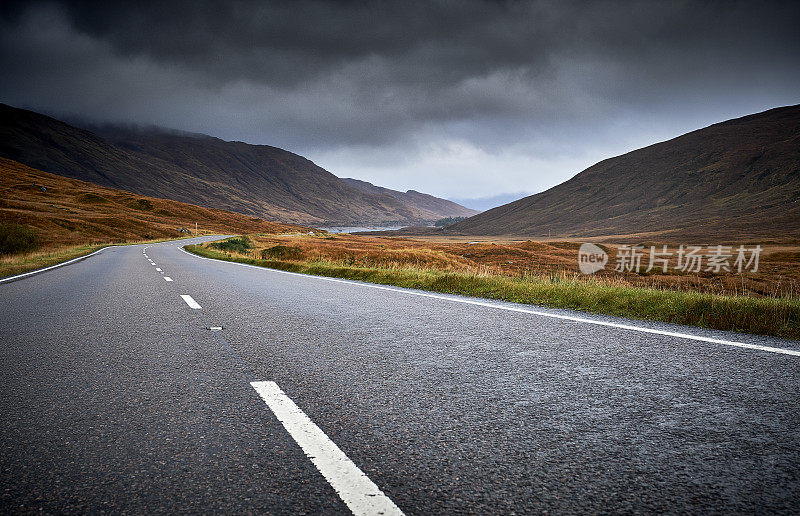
<point x="761" y="316"/>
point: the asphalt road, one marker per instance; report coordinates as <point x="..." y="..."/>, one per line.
<point x="117" y="398"/>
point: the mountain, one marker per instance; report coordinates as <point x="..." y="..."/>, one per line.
<point x="429" y="206"/>
<point x="256" y="180"/>
<point x="66" y="212"/>
<point x="486" y="203"/>
<point x="738" y="179"/>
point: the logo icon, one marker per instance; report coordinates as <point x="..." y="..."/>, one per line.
<point x="591" y="258"/>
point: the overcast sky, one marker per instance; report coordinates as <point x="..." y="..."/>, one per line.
<point x="460" y="99"/>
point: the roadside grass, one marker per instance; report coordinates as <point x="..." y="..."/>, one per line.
<point x="25" y="262"/>
<point x="778" y="275"/>
<point x="20" y="263"/>
<point x="778" y="317"/>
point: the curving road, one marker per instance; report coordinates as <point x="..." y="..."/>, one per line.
<point x="327" y="396"/>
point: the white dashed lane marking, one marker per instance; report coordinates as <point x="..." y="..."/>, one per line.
<point x="191" y="302"/>
<point x="355" y="489"/>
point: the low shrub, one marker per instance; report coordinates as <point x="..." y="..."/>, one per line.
<point x="17" y="238"/>
<point x="233" y="245"/>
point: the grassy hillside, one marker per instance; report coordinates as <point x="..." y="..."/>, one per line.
<point x="738" y="179"/>
<point x="257" y="180"/>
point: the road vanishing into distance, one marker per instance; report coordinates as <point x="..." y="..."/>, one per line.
<point x="322" y="396"/>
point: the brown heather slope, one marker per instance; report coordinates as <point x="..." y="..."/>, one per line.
<point x="72" y="212"/>
<point x="257" y="180"/>
<point x="735" y="180"/>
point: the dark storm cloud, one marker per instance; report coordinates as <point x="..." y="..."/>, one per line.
<point x="535" y="77"/>
<point x="287" y="42"/>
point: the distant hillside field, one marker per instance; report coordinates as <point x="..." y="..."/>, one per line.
<point x="67" y="212"/>
<point x="256" y="180"/>
<point x="738" y="179"/>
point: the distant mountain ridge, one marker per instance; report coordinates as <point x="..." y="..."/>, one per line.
<point x="428" y="205"/>
<point x="489" y="202"/>
<point x="737" y="179"/>
<point x="257" y="180"/>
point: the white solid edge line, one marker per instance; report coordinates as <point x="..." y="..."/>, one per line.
<point x="37" y="271"/>
<point x="356" y="490"/>
<point x="572" y="318"/>
<point x="167" y="278"/>
<point x="191" y="302"/>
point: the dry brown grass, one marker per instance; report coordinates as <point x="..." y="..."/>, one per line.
<point x="778" y="275"/>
